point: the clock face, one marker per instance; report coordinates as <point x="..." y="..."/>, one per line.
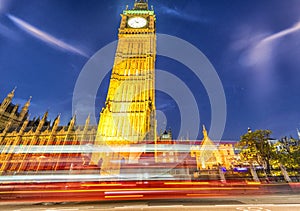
<point x="137" y="22"/>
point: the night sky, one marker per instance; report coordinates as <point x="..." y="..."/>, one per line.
<point x="254" y="45"/>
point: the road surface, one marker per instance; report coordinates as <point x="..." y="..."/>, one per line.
<point x="278" y="202"/>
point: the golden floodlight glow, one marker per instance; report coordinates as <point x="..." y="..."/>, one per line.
<point x="129" y="114"/>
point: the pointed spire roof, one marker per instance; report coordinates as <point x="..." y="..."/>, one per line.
<point x="27" y="104"/>
<point x="24" y="125"/>
<point x="25" y="107"/>
<point x="140" y="5"/>
<point x="206" y="140"/>
<point x="87" y="121"/>
<point x="72" y="122"/>
<point x="204" y="131"/>
<point x="45" y="116"/>
<point x="56" y="122"/>
<point x="208" y="148"/>
<point x="141" y="1"/>
<point x="12" y="93"/>
<point x="57" y="119"/>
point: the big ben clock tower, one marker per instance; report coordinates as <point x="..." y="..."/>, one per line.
<point x="128" y="118"/>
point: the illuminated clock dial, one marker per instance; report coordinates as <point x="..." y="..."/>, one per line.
<point x="137" y="22"/>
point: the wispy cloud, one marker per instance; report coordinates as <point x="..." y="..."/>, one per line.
<point x="259" y="53"/>
<point x="282" y="33"/>
<point x="45" y="37"/>
<point x="6" y="32"/>
<point x="3" y="5"/>
<point x="262" y="48"/>
<point x="180" y="14"/>
<point x="170" y="11"/>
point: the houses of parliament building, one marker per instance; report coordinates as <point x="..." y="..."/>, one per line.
<point x="19" y="134"/>
<point x="125" y="139"/>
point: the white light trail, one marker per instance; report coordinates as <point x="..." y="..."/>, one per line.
<point x="29" y="149"/>
<point x="45" y="37"/>
<point x="80" y="177"/>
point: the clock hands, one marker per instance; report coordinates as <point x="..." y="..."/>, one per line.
<point x="137" y="22"/>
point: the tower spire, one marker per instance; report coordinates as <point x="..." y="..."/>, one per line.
<point x="12" y="93"/>
<point x="133" y="100"/>
<point x="205" y="136"/>
<point x="7" y="100"/>
<point x="55" y="124"/>
<point x="24" y="110"/>
<point x="140" y="5"/>
<point x="42" y="122"/>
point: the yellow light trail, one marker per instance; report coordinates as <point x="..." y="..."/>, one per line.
<point x="203" y="194"/>
<point x="186" y="183"/>
<point x="97" y="185"/>
<point x="124" y="196"/>
<point x="253" y="183"/>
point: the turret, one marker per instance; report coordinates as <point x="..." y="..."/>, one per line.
<point x="205" y="136"/>
<point x="55" y="123"/>
<point x="54" y="127"/>
<point x="7" y="127"/>
<point x="86" y="126"/>
<point x="70" y="127"/>
<point x="7" y="100"/>
<point x="5" y="131"/>
<point x="87" y="123"/>
<point x="21" y="131"/>
<point x="42" y="122"/>
<point x="140" y="5"/>
<point x="13" y="112"/>
<point x="24" y="125"/>
<point x="71" y="124"/>
<point x="24" y="110"/>
<point x="166" y="135"/>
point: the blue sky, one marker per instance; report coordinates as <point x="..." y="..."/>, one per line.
<point x="253" y="45"/>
